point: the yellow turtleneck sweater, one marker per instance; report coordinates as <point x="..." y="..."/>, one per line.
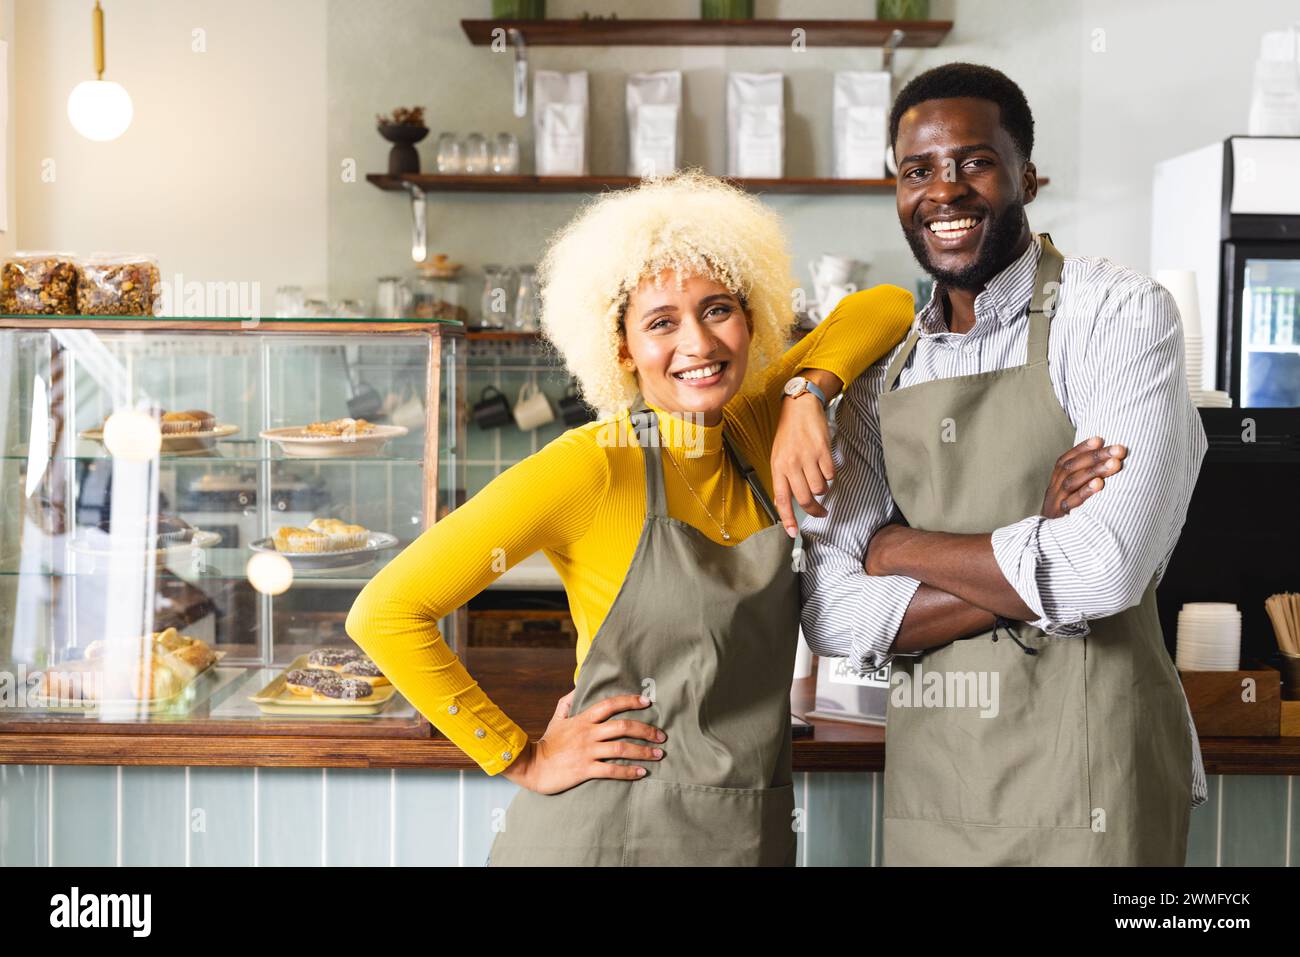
<point x="581" y="501"/>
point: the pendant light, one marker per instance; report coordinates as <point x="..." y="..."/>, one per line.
<point x="99" y="109"/>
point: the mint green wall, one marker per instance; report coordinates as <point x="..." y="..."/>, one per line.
<point x="270" y="816"/>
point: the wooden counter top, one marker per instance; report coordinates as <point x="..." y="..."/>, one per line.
<point x="526" y="683"/>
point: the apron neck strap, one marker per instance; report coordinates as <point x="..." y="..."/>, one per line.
<point x="1045" y="299"/>
<point x="900" y="360"/>
<point x="645" y="424"/>
<point x="751" y="477"/>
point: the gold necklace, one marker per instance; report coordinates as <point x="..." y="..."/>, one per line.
<point x="722" y="528"/>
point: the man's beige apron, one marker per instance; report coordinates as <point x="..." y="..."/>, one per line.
<point x="709" y="633"/>
<point x="1088" y="759"/>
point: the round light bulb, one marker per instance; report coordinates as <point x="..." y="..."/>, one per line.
<point x="270" y="573"/>
<point x="100" y="110"/>
<point x="132" y="435"/>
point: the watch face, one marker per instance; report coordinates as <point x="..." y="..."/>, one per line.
<point x="794" y="386"/>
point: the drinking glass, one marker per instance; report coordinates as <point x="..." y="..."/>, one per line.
<point x="450" y="158"/>
<point x="477" y="160"/>
<point x="505" y="155"/>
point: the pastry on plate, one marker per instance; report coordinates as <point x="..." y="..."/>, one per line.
<point x="292" y="539"/>
<point x="340" y="533"/>
<point x="191" y="420"/>
<point x="340" y="428"/>
<point x="152" y="667"/>
<point x="332" y="658"/>
<point x="321" y="535"/>
<point x="169" y="530"/>
<point x="302" y="681"/>
<point x="365" y="669"/>
<point x="337" y="688"/>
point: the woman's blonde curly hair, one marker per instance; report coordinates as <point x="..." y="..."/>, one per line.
<point x="689" y="222"/>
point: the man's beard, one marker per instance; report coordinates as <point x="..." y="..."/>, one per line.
<point x="1001" y="236"/>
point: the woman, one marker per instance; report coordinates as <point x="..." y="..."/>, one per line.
<point x="671" y="303"/>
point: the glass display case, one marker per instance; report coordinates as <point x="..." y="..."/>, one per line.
<point x="188" y="508"/>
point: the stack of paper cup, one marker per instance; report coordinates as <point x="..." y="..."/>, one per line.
<point x="1209" y="637"/>
<point x="1181" y="284"/>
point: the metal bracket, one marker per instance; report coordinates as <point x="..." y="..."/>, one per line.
<point x="521" y="72"/>
<point x="887" y="51"/>
<point x="419" y="223"/>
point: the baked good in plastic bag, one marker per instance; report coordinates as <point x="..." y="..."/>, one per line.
<point x="119" y="286"/>
<point x="39" y="284"/>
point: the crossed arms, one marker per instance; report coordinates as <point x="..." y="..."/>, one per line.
<point x="872" y="587"/>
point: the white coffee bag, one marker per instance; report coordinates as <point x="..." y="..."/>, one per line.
<point x="860" y="109"/>
<point x="654" y="123"/>
<point x="756" y="125"/>
<point x="560" y="110"/>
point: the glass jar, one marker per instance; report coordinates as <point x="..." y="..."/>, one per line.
<point x="289" y="302"/>
<point x="527" y="307"/>
<point x="477" y="158"/>
<point x="505" y="155"/>
<point x="437" y="297"/>
<point x="450" y="158"/>
<point x="495" y="303"/>
<point x="317" y="309"/>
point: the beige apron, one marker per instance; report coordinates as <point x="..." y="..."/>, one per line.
<point x="709" y="633"/>
<point x="1088" y="759"/>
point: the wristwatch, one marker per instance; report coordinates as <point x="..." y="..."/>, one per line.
<point x="799" y="385"/>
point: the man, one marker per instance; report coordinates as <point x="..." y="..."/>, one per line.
<point x="936" y="541"/>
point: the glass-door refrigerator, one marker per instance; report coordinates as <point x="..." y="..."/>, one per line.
<point x="1261" y="352"/>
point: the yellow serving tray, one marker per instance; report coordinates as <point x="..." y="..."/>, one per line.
<point x="276" y="698"/>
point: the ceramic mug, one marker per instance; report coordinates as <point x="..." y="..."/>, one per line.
<point x="532" y="408"/>
<point x="491" y="411"/>
<point x="572" y="409"/>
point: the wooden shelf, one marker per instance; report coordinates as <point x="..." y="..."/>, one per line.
<point x="501" y="335"/>
<point x="696" y="33"/>
<point x="439" y="183"/>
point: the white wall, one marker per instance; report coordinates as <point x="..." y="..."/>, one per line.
<point x="8" y="236"/>
<point x="1172" y="77"/>
<point x="231" y="169"/>
<point x="221" y="174"/>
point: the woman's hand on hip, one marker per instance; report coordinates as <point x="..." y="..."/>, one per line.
<point x="801" y="458"/>
<point x="1081" y="473"/>
<point x="574" y="749"/>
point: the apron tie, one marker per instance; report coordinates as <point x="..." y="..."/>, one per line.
<point x="1005" y="624"/>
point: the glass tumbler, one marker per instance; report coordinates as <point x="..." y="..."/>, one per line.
<point x="505" y="155"/>
<point x="527" y="305"/>
<point x="495" y="303"/>
<point x="450" y="158"/>
<point x="477" y="159"/>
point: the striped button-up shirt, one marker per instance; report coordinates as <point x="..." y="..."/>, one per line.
<point x="1115" y="358"/>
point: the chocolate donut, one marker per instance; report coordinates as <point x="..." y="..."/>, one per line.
<point x="332" y="658"/>
<point x="344" y="689"/>
<point x="301" y="681"/>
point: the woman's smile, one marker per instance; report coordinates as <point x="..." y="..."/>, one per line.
<point x="688" y="338"/>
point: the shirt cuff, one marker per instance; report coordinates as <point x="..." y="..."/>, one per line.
<point x="1015" y="548"/>
<point x="877" y="619"/>
<point x="474" y="724"/>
